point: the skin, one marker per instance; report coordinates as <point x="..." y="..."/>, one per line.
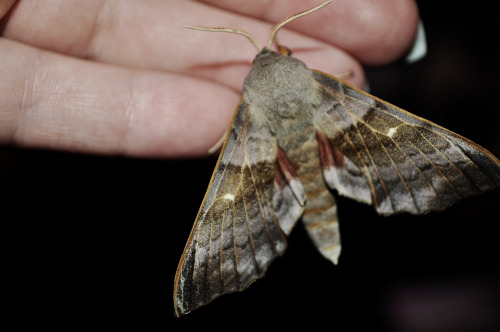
<point x="124" y="77"/>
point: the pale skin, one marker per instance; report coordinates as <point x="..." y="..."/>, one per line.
<point x="125" y="77"/>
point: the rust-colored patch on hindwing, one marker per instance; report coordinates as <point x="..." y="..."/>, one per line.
<point x="285" y="166"/>
<point x="328" y="154"/>
<point x="341" y="173"/>
<point x="289" y="194"/>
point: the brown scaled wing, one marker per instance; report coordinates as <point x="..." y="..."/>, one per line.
<point x="242" y="224"/>
<point x="380" y="154"/>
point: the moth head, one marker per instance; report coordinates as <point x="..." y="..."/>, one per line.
<point x="272" y="37"/>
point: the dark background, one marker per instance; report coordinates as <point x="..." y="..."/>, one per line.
<point x="94" y="241"/>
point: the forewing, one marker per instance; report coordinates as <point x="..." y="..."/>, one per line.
<point x="377" y="153"/>
<point x="237" y="233"/>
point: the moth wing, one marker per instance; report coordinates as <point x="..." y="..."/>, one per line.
<point x="382" y="155"/>
<point x="253" y="201"/>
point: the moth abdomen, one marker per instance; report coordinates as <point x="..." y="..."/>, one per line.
<point x="320" y="210"/>
<point x="321" y="222"/>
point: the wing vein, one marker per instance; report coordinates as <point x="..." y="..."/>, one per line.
<point x="365" y="166"/>
<point x="410" y="141"/>
<point x="244" y="164"/>
<point x="236" y="258"/>
<point x="449" y="161"/>
<point x="209" y="260"/>
<point x="370" y="157"/>
<point x="221" y="270"/>
<point x="395" y="166"/>
<point x="423" y="176"/>
<point x="250" y="233"/>
<point x="430" y="129"/>
<point x="194" y="266"/>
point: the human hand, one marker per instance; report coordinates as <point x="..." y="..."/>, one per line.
<point x="125" y="77"/>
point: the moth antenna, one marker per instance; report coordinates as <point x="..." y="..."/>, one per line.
<point x="291" y="18"/>
<point x="230" y="30"/>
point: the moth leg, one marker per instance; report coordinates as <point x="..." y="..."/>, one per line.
<point x="343" y="75"/>
<point x="217" y="145"/>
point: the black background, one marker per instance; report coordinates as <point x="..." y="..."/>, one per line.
<point x="94" y="241"/>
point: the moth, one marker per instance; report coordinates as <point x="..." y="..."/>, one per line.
<point x="298" y="133"/>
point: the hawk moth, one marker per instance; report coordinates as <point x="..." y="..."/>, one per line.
<point x="296" y="134"/>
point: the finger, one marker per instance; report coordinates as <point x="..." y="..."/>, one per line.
<point x="374" y="31"/>
<point x="114" y="32"/>
<point x="144" y="34"/>
<point x="225" y="57"/>
<point x="5" y="6"/>
<point x="52" y="101"/>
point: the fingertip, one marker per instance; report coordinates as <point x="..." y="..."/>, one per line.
<point x="382" y="31"/>
<point x="335" y="62"/>
<point x="375" y="32"/>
